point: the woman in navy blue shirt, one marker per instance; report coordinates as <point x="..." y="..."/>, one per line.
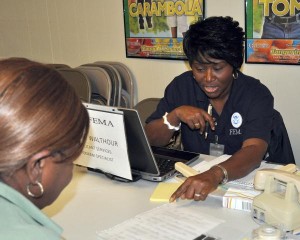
<point x="218" y="109"/>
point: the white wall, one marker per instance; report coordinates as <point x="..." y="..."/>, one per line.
<point x="81" y="31"/>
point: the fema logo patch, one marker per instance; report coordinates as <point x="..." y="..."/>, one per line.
<point x="236" y="120"/>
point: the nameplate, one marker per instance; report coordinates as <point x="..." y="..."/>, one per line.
<point x="106" y="145"/>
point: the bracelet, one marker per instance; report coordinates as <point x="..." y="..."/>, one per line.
<point x="171" y="127"/>
<point x="225" y="179"/>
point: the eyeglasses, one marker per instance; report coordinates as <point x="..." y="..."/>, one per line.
<point x="114" y="177"/>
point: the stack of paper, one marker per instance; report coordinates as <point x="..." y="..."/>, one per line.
<point x="240" y="199"/>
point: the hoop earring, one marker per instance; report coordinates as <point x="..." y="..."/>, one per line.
<point x="235" y="75"/>
<point x="39" y="185"/>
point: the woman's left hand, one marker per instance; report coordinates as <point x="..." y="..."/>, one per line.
<point x="197" y="187"/>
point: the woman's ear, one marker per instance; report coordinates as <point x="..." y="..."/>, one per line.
<point x="35" y="165"/>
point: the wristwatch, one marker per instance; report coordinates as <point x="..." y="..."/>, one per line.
<point x="171" y="127"/>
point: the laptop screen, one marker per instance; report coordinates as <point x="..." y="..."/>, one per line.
<point x="139" y="150"/>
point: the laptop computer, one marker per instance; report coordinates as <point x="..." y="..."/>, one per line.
<point x="146" y="162"/>
<point x="151" y="163"/>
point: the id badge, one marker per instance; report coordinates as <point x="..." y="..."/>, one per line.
<point x="216" y="149"/>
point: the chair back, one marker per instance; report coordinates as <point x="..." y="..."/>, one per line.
<point x="146" y="107"/>
<point x="100" y="84"/>
<point x="79" y="81"/>
<point x="58" y="65"/>
<point x="128" y="83"/>
<point x="279" y="149"/>
<point x="115" y="78"/>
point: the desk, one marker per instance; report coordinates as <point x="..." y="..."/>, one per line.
<point x="92" y="202"/>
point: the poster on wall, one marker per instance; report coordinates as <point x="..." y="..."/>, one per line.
<point x="155" y="28"/>
<point x="273" y="31"/>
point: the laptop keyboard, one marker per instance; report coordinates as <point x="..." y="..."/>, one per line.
<point x="164" y="165"/>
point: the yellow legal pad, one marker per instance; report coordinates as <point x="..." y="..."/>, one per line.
<point x="163" y="192"/>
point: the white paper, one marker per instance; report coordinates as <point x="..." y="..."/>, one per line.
<point x="206" y="165"/>
<point x="248" y="181"/>
<point x="167" y="222"/>
<point x="245" y="182"/>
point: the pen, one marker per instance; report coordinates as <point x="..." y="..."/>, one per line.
<point x="209" y="111"/>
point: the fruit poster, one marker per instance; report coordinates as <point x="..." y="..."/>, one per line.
<point x="155" y="28"/>
<point x="273" y="31"/>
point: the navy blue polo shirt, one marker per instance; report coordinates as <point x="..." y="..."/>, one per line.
<point x="247" y="113"/>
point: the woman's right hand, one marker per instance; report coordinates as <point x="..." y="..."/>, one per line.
<point x="194" y="117"/>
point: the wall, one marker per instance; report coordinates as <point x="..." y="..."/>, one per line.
<point x="81" y="31"/>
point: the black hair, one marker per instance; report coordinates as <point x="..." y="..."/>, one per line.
<point x="216" y="37"/>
